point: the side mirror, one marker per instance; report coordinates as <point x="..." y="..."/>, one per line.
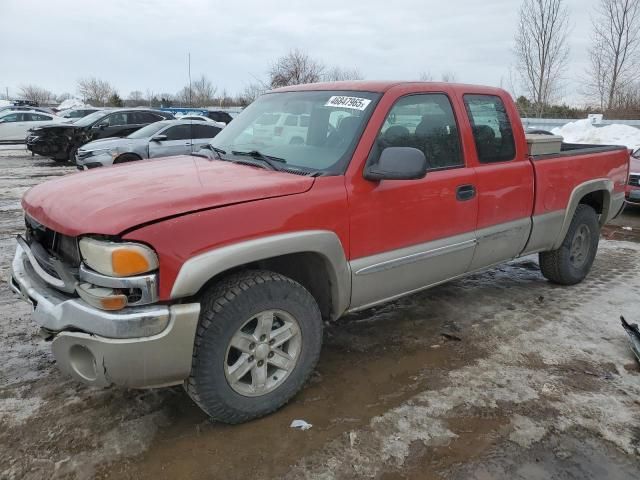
<point x="100" y="126"/>
<point x="398" y="163"/>
<point x="158" y="138"/>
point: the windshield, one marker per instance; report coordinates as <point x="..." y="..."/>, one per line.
<point x="149" y="130"/>
<point x="311" y="130"/>
<point x="89" y="119"/>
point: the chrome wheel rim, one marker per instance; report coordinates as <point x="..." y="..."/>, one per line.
<point x="580" y="246"/>
<point x="263" y="353"/>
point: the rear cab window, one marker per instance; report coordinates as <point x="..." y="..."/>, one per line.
<point x="491" y="126"/>
<point x="426" y="122"/>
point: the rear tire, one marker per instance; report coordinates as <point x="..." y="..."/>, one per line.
<point x="257" y="342"/>
<point x="571" y="263"/>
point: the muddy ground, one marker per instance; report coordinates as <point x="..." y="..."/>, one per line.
<point x="499" y="375"/>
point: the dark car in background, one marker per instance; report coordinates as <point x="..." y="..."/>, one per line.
<point x="219" y="116"/>
<point x="61" y="142"/>
<point x="76" y="113"/>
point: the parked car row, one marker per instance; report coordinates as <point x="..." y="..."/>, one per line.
<point x="61" y="141"/>
<point x="159" y="139"/>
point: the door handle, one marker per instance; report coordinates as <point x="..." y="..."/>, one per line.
<point x="465" y="192"/>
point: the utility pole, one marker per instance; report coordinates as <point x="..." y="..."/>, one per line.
<point x="7" y="90"/>
<point x="190" y="102"/>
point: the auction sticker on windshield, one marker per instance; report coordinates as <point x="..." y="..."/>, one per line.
<point x="355" y="103"/>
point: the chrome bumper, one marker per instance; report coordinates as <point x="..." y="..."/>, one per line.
<point x="136" y="347"/>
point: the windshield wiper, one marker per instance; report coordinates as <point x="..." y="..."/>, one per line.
<point x="218" y="151"/>
<point x="268" y="159"/>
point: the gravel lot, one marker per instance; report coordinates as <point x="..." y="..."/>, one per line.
<point x="531" y="381"/>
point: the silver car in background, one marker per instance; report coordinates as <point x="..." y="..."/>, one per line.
<point x="160" y="139"/>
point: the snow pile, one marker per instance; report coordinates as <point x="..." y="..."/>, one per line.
<point x="5" y="103"/>
<point x="72" y="103"/>
<point x="583" y="131"/>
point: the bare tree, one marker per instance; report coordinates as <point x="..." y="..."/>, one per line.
<point x="251" y="92"/>
<point x="449" y="77"/>
<point x="62" y="97"/>
<point x="94" y="90"/>
<point x="135" y="98"/>
<point x="541" y="49"/>
<point x="295" y="68"/>
<point x="35" y="94"/>
<point x="203" y="92"/>
<point x="184" y="96"/>
<point x="337" y="74"/>
<point x="425" y="76"/>
<point x="615" y="51"/>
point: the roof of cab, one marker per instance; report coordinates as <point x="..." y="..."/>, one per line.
<point x="381" y="86"/>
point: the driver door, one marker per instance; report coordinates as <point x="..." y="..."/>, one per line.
<point x="178" y="142"/>
<point x="409" y="234"/>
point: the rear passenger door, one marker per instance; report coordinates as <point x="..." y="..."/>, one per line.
<point x="406" y="235"/>
<point x="504" y="182"/>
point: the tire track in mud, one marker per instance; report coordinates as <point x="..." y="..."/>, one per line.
<point x="572" y="382"/>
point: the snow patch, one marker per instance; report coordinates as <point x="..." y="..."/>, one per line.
<point x="72" y="103"/>
<point x="583" y="131"/>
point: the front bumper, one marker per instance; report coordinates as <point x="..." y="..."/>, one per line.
<point x="140" y="347"/>
<point x="102" y="159"/>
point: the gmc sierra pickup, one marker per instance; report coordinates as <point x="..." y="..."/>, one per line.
<point x="217" y="270"/>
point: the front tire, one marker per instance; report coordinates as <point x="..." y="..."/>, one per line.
<point x="258" y="341"/>
<point x="571" y="263"/>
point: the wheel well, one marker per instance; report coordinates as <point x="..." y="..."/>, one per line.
<point x="119" y="157"/>
<point x="595" y="200"/>
<point x="309" y="269"/>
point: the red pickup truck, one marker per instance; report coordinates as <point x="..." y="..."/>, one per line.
<point x="217" y="270"/>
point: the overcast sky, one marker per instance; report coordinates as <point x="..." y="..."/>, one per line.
<point x="143" y="44"/>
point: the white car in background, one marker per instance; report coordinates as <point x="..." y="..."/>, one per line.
<point x="14" y="124"/>
<point x="203" y="119"/>
<point x="285" y="128"/>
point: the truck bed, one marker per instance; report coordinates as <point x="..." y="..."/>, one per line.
<point x="572" y="149"/>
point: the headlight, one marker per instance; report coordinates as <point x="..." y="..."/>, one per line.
<point x="118" y="259"/>
<point x="109" y="151"/>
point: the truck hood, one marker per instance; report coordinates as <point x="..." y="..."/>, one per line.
<point x="111" y="200"/>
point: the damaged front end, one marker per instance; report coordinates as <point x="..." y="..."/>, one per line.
<point x="55" y="141"/>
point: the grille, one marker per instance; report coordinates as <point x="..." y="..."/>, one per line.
<point x="63" y="247"/>
<point x="634" y="179"/>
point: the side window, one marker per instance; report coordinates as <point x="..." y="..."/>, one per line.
<point x="38" y="117"/>
<point x="178" y="132"/>
<point x="204" y="131"/>
<point x="115" y="119"/>
<point x="492" y="130"/>
<point x="291" y="121"/>
<point x="425" y="122"/>
<point x="13" y="117"/>
<point x="304" y="120"/>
